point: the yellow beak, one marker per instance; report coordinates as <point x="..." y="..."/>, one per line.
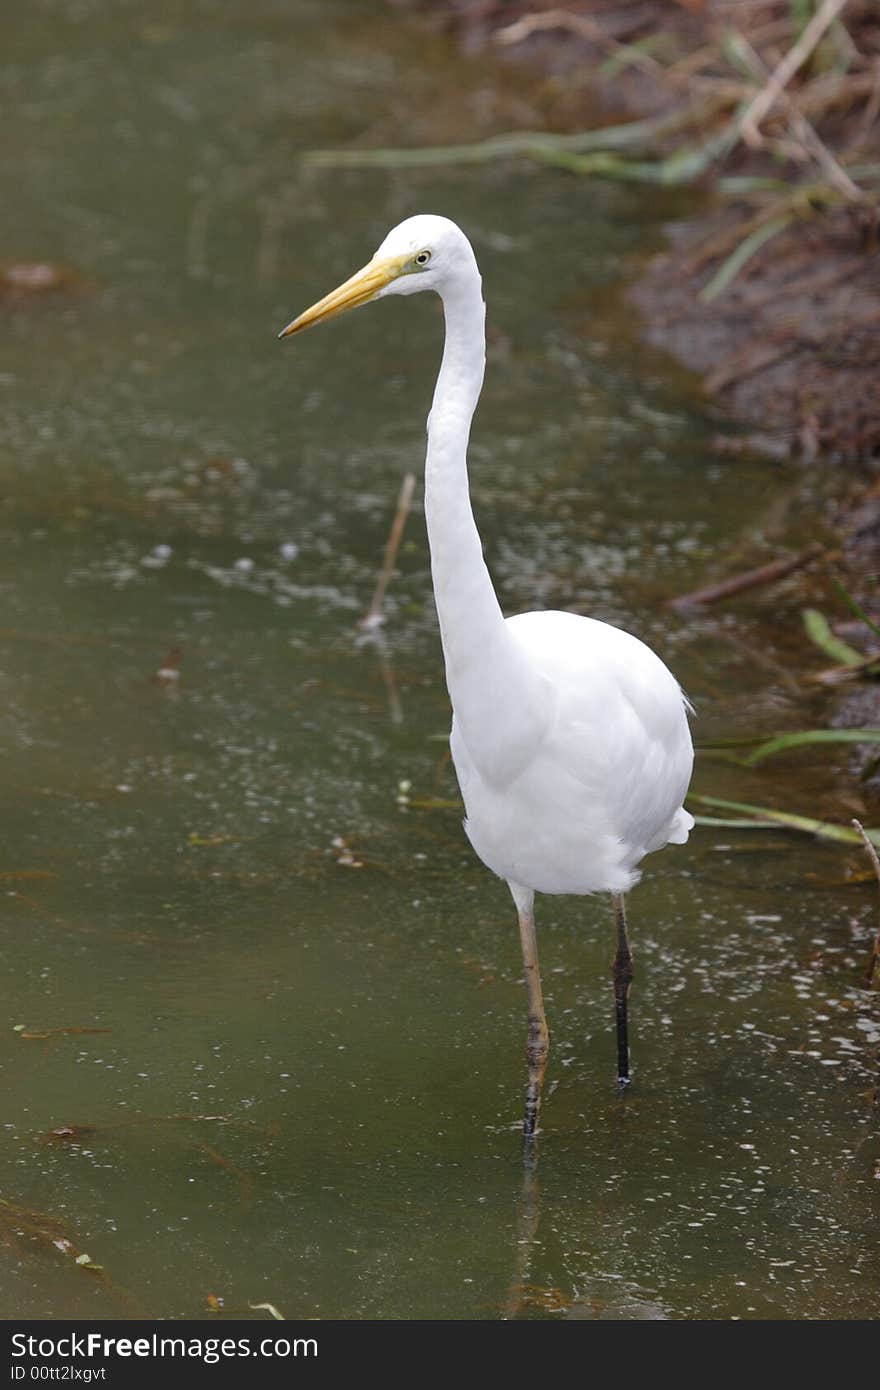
<point x="360" y="289"/>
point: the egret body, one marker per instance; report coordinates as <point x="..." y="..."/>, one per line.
<point x="569" y="736"/>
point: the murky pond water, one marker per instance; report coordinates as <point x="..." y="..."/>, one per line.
<point x="269" y="1016"/>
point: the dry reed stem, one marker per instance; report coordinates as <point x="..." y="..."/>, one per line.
<point x="782" y="74"/>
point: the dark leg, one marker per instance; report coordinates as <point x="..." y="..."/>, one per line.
<point x="538" y="1040"/>
<point x="622" y="974"/>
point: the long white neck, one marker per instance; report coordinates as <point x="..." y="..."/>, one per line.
<point x="486" y="672"/>
<point x="466" y="603"/>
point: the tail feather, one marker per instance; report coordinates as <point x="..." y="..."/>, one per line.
<point x="682" y="825"/>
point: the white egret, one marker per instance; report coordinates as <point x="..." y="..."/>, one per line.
<point x="569" y="736"/>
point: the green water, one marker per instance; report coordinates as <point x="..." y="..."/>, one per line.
<point x="309" y="1084"/>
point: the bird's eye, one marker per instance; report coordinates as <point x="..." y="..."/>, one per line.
<point x="423" y="257"/>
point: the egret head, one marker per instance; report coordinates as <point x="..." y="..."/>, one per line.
<point x="422" y="253"/>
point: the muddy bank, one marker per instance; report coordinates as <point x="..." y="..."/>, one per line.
<point x="793" y="348"/>
<point x="771" y="289"/>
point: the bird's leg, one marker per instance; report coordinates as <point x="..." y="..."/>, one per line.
<point x="622" y="974"/>
<point x="528" y="1217"/>
<point x="538" y="1040"/>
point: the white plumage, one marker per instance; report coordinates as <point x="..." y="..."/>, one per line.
<point x="598" y="781"/>
<point x="569" y="737"/>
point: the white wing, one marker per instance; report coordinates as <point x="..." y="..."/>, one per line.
<point x="603" y="782"/>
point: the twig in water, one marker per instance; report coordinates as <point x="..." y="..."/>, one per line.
<point x="244" y="1180"/>
<point x="875" y="949"/>
<point x="750" y="579"/>
<point x="404" y="504"/>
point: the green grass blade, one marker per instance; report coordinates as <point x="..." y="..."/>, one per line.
<point x="637" y="135"/>
<point x="734" y="263"/>
<point x="824" y="830"/>
<point x="855" y="607"/>
<point x="627" y="55"/>
<point x="819" y="631"/>
<point x="719" y="823"/>
<point x="780" y="742"/>
<point x="737" y="184"/>
<point x="740" y="741"/>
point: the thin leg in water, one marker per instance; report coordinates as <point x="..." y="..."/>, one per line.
<point x="538" y="1040"/>
<point x="622" y="974"/>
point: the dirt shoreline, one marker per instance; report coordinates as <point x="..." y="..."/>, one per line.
<point x="791" y="347"/>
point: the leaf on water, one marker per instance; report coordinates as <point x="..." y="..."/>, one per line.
<point x="269" y="1308"/>
<point x="68" y="1134"/>
<point x="51" y="1232"/>
<point x="780" y="742"/>
<point x="24" y="278"/>
<point x="86" y="1262"/>
<point x="344" y="855"/>
<point x="818" y="629"/>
